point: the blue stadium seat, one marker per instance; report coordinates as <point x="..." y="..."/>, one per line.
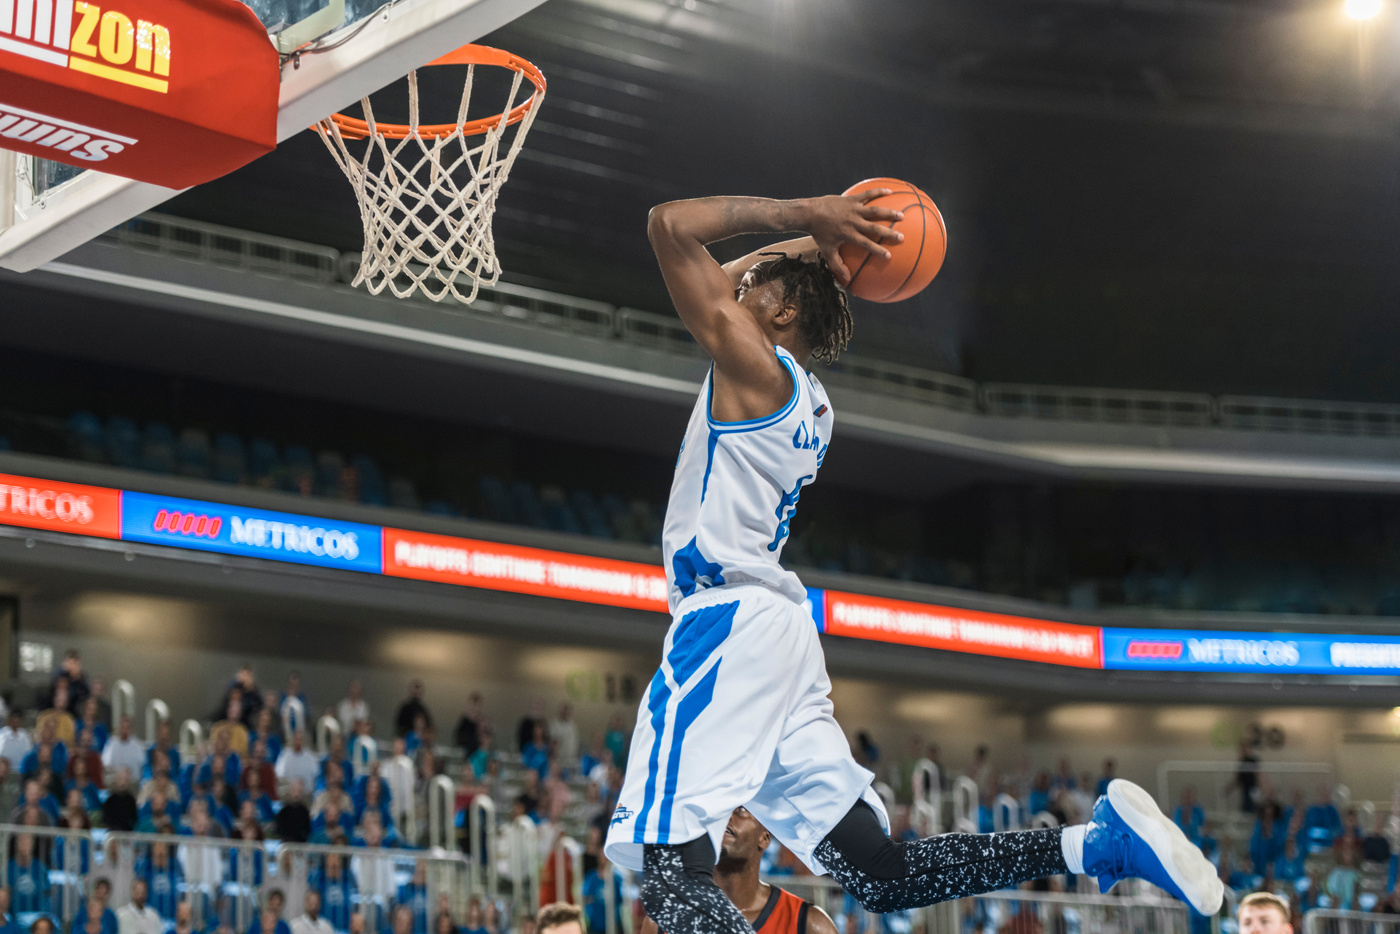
<point x="589" y="513"/>
<point x="264" y="466"/>
<point x="85" y="440"/>
<point x="402" y="494"/>
<point x="158" y="448"/>
<point x="301" y="470"/>
<point x="5" y="444"/>
<point x="122" y="442"/>
<point x="439" y="507"/>
<point x="528" y="509"/>
<point x="330" y="477"/>
<point x="230" y="460"/>
<point x="193" y="455"/>
<point x="558" y="515"/>
<point x="496" y="498"/>
<point x="371" y="481"/>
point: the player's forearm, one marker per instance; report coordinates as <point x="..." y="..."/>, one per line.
<point x="706" y="220"/>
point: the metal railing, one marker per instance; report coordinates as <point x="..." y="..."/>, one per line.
<point x="266" y="255"/>
<point x="1332" y="921"/>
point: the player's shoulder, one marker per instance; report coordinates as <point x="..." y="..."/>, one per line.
<point x="817" y="920"/>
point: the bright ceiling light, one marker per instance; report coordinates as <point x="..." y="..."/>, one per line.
<point x="1363" y="9"/>
<point x="1395" y="712"/>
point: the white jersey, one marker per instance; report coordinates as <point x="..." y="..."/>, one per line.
<point x="736" y="489"/>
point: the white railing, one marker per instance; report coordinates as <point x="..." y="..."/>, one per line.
<point x="442" y="807"/>
<point x="191" y="740"/>
<point x="327" y="730"/>
<point x="966" y="799"/>
<point x="293" y="713"/>
<point x="123" y="702"/>
<point x="1331" y="921"/>
<point x="266" y="255"/>
<point x="157" y="712"/>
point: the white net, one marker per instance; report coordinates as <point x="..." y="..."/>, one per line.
<point x="427" y="196"/>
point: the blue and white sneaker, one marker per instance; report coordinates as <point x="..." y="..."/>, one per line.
<point x="1130" y="837"/>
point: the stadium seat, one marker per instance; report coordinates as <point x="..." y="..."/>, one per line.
<point x="301" y="471"/>
<point x="528" y="510"/>
<point x="230" y="460"/>
<point x="265" y="468"/>
<point x="122" y="442"/>
<point x="439" y="507"/>
<point x="158" y="448"/>
<point x="558" y="515"/>
<point x="497" y="503"/>
<point x="331" y="478"/>
<point x="402" y="494"/>
<point x="85" y="439"/>
<point x="370" y="480"/>
<point x="193" y="457"/>
<point x="589" y="513"/>
<point x="5" y="444"/>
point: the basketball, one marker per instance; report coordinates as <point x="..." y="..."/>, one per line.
<point x="913" y="263"/>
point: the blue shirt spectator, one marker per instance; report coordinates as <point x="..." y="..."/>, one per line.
<point x="1189" y="815"/>
<point x="109" y="919"/>
<point x="163" y="878"/>
<point x="595" y="908"/>
<point x="414" y="894"/>
<point x="337" y="887"/>
<point x="278" y="925"/>
<point x="92" y="801"/>
<point x="1110" y="770"/>
<point x="58" y="759"/>
<point x="323" y="826"/>
<point x="28" y="878"/>
<point x="262" y="804"/>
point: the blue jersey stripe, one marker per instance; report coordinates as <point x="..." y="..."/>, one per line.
<point x="699" y="634"/>
<point x="656" y="703"/>
<point x="687" y="712"/>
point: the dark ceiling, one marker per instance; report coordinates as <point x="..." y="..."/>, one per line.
<point x="1165" y="194"/>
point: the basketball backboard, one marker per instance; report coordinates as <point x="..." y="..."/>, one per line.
<point x="47" y="209"/>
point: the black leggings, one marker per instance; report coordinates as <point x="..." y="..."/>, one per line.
<point x="679" y="892"/>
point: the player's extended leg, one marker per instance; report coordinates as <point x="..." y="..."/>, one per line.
<point x="679" y="891"/>
<point x="1128" y="837"/>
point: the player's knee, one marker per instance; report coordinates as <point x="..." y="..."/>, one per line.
<point x="865" y="846"/>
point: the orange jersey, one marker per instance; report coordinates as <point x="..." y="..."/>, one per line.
<point x="784" y="913"/>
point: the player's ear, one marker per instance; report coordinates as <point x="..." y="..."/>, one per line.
<point x="786" y="314"/>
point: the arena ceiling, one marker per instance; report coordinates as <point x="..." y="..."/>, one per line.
<point x="1166" y="194"/>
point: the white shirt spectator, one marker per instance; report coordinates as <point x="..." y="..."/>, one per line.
<point x="565" y="736"/>
<point x="129" y="753"/>
<point x="349" y="712"/>
<point x="15" y="745"/>
<point x="133" y="920"/>
<point x="307" y="925"/>
<point x="375" y="876"/>
<point x="303" y="764"/>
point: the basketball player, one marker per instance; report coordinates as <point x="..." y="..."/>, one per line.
<point x="767" y="908"/>
<point x="738" y="714"/>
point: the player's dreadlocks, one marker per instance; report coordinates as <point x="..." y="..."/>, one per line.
<point x="824" y="316"/>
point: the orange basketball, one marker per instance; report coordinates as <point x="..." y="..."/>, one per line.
<point x="913" y="263"/>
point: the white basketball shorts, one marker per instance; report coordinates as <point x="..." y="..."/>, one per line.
<point x="737" y="715"/>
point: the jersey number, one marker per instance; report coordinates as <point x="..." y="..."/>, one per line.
<point x="787" y="508"/>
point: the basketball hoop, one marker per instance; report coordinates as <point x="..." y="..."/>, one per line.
<point x="427" y="192"/>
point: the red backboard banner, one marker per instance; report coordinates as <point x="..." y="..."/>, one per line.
<point x="494" y="566"/>
<point x="959" y="630"/>
<point x="60" y="507"/>
<point x="172" y="92"/>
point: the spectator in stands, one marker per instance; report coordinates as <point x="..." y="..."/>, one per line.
<point x="119" y="810"/>
<point x="1076" y="804"/>
<point x="374" y="874"/>
<point x="37" y="794"/>
<point x="413" y="895"/>
<point x="49" y="751"/>
<point x="1264" y="913"/>
<point x="534" y="755"/>
<point x="616" y="738"/>
<point x="336" y="888"/>
<point x="124" y="751"/>
<point x="253" y="794"/>
<point x="232" y="726"/>
<point x="42" y="925"/>
<point x="1110" y="772"/>
<point x="87" y="752"/>
<point x="249" y="695"/>
<point x="292" y="690"/>
<point x="1189" y="815"/>
<point x="1322" y="821"/>
<point x="27" y="877"/>
<point x="1375" y="847"/>
<point x="310" y="920"/>
<point x="258" y="764"/>
<point x="104" y="706"/>
<point x="161" y="781"/>
<point x="1390" y="905"/>
<point x="525" y="730"/>
<point x="298" y="763"/>
<point x="559" y="918"/>
<point x="414" y="739"/>
<point x="467" y="736"/>
<point x="293" y="820"/>
<point x="1351" y="827"/>
<point x="60" y="712"/>
<point x="363" y="739"/>
<point x="1063" y="779"/>
<point x="1246" y="777"/>
<point x="484" y="753"/>
<point x="1342" y="880"/>
<point x="474" y="922"/>
<point x="9" y="787"/>
<point x="89" y="720"/>
<point x="1289" y="865"/>
<point x="155" y="812"/>
<point x="137" y="917"/>
<point x="1266" y="842"/>
<point x="74" y="679"/>
<point x="329" y="819"/>
<point x="338" y="757"/>
<point x="162" y="877"/>
<point x="334" y="791"/>
<point x="411" y="709"/>
<point x="563" y="734"/>
<point x="1039" y="798"/>
<point x="165" y="746"/>
<point x="81" y="786"/>
<point x="352" y="708"/>
<point x="374" y="801"/>
<point x="265" y="731"/>
<point x="15" y="741"/>
<point x="401" y="921"/>
<point x="221" y="761"/>
<point x="92" y="918"/>
<point x="223" y="804"/>
<point x="268" y="923"/>
<point x="7" y="920"/>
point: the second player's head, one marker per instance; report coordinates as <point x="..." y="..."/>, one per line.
<point x="744" y="841"/>
<point x="798" y="301"/>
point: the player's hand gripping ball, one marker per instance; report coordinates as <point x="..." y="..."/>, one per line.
<point x="914" y="262"/>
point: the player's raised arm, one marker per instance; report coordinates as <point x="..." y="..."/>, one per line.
<point x="749" y="377"/>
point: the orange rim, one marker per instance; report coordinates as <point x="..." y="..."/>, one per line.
<point x="355" y="128"/>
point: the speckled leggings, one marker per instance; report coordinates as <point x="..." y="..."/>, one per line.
<point x="887" y="876"/>
<point x="680" y="894"/>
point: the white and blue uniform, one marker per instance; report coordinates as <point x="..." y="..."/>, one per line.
<point x="738" y="714"/>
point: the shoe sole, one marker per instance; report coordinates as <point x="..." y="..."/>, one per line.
<point x="1193" y="874"/>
